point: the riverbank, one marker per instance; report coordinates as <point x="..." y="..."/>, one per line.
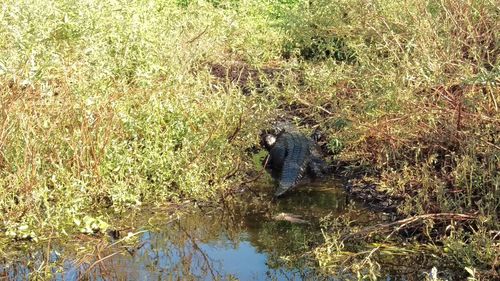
<point x="275" y="240"/>
<point x="109" y="107"/>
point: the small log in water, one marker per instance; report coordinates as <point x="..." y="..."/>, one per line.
<point x="290" y="218"/>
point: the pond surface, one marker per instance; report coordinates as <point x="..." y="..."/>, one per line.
<point x="229" y="245"/>
<point x="249" y="242"/>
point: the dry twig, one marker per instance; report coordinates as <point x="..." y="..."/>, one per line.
<point x="400" y="224"/>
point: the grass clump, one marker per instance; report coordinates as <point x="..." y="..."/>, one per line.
<point x="419" y="106"/>
<point x="112" y="105"/>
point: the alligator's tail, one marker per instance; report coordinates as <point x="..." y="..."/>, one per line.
<point x="295" y="162"/>
<point x="289" y="178"/>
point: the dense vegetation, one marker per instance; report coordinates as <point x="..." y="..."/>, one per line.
<point x="107" y="105"/>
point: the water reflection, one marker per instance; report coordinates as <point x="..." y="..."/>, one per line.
<point x="243" y="243"/>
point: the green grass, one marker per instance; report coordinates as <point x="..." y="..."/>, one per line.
<point x="112" y="105"/>
<point x="419" y="105"/>
<point x="105" y="106"/>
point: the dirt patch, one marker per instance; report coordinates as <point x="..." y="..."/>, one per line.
<point x="248" y="78"/>
<point x="370" y="196"/>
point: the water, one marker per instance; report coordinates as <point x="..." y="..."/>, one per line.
<point x="241" y="243"/>
<point x="244" y="242"/>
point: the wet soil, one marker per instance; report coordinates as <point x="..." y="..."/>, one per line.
<point x="248" y="78"/>
<point x="244" y="76"/>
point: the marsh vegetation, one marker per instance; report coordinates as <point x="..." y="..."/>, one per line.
<point x="110" y="107"/>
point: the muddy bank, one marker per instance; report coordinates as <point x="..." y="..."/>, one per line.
<point x="248" y="78"/>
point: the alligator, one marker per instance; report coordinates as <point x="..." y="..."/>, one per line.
<point x="292" y="155"/>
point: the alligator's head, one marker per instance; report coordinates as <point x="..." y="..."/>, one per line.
<point x="269" y="136"/>
<point x="268" y="140"/>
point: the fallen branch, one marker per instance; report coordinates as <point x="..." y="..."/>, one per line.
<point x="197" y="36"/>
<point x="400" y="224"/>
<point x="84" y="276"/>
<point x="236" y="130"/>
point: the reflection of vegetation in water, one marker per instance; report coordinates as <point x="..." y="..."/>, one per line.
<point x="203" y="244"/>
<point x="211" y="244"/>
<point x="185" y="249"/>
<point x="315" y="200"/>
<point x="284" y="242"/>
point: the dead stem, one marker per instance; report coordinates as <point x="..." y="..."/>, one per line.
<point x="400" y="224"/>
<point x="97" y="262"/>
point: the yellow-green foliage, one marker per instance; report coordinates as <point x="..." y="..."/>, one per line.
<point x="110" y="103"/>
<point x="419" y="98"/>
<point x="410" y="88"/>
